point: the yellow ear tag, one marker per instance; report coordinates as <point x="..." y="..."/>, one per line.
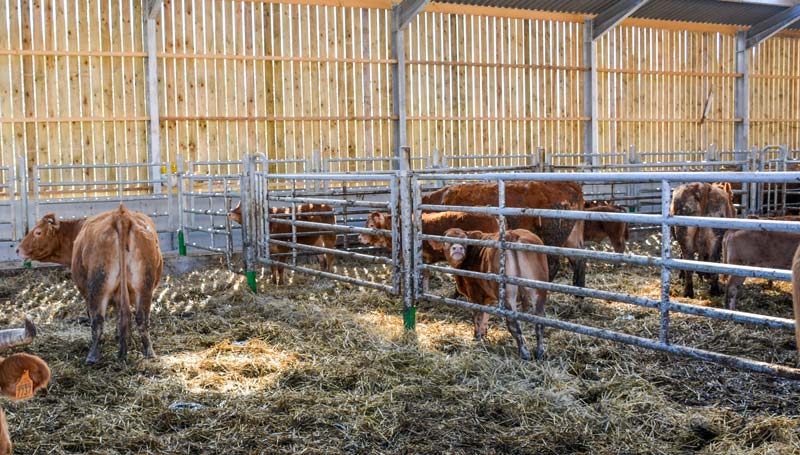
<point x="24" y="386"/>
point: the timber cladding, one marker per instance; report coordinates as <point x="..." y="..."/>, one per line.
<point x="288" y="78"/>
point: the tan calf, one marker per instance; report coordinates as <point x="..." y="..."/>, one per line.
<point x="520" y="264"/>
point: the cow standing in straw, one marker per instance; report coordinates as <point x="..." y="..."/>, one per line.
<point x="115" y="258"/>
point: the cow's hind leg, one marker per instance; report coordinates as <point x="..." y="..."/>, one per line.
<point x="97" y="300"/>
<point x="732" y="289"/>
<point x="143" y="302"/>
<point x="514" y="327"/>
<point x="123" y="311"/>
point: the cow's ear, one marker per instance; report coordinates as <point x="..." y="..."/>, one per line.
<point x="436" y="245"/>
<point x="50" y="218"/>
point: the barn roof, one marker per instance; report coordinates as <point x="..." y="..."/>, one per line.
<point x="728" y="12"/>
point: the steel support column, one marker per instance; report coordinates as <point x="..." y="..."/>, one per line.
<point x="153" y="125"/>
<point x="590" y="135"/>
<point x="742" y="94"/>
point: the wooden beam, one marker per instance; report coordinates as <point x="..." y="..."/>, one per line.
<point x="152" y="7"/>
<point x="772" y="25"/>
<point x="612" y="16"/>
<point x="406" y="10"/>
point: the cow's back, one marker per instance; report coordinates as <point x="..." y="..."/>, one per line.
<point x="97" y="248"/>
<point x="760" y="248"/>
<point x="311" y="213"/>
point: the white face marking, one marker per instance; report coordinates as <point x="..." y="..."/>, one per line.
<point x="457" y="251"/>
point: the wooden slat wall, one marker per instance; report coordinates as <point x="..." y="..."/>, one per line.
<point x="240" y="76"/>
<point x="72" y="83"/>
<point x="480" y="85"/>
<point x="653" y="85"/>
<point x="248" y="76"/>
<point x="775" y="93"/>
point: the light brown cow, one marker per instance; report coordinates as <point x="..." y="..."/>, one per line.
<point x="520" y="264"/>
<point x="756" y="249"/>
<point x="707" y="200"/>
<point x="12" y="371"/>
<point x="312" y="213"/>
<point x="539" y="195"/>
<point x="796" y="300"/>
<point x="615" y="231"/>
<point x="115" y="257"/>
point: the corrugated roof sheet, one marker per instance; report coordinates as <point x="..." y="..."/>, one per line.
<point x="705" y="11"/>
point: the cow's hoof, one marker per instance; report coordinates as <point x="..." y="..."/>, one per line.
<point x="149" y="354"/>
<point x="92" y="359"/>
<point x="524" y="354"/>
<point x="539" y="353"/>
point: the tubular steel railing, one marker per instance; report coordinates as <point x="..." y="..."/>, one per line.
<point x="665" y="262"/>
<point x="63" y="189"/>
<point x="9" y="227"/>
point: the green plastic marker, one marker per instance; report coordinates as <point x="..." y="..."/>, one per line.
<point x="251" y="280"/>
<point x="410" y="317"/>
<point x="181" y="244"/>
<point x="27" y="264"/>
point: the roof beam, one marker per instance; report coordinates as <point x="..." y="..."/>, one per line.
<point x="784" y="3"/>
<point x="152" y="8"/>
<point x="407" y="10"/>
<point x="612" y="16"/>
<point x="772" y="25"/>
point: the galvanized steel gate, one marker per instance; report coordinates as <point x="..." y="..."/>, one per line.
<point x="401" y="195"/>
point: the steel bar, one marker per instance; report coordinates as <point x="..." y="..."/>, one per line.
<point x="629" y="177"/>
<point x="333" y="227"/>
<point x="344" y="253"/>
<point x="332" y="202"/>
<point x="332" y="276"/>
<point x="699" y="354"/>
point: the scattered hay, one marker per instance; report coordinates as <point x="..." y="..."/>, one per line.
<point x="320" y="367"/>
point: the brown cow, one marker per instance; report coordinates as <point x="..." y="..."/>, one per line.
<point x="756" y="249"/>
<point x="539" y="195"/>
<point x="615" y="231"/>
<point x="435" y="223"/>
<point x="114" y="257"/>
<point x="312" y="213"/>
<point x="13" y="369"/>
<point x="432" y="224"/>
<point x="796" y="299"/>
<point x="707" y="200"/>
<point x="520" y="264"/>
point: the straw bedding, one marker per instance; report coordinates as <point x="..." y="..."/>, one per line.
<point x="323" y="367"/>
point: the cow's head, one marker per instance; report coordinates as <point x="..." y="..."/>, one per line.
<point x="43" y="242"/>
<point x="455" y="253"/>
<point x="726" y="186"/>
<point x="236" y="213"/>
<point x="377" y="220"/>
<point x="12" y="369"/>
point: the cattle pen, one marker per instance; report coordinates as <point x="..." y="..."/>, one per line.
<point x="265" y="137"/>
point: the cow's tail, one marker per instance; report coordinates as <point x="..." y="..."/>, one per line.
<point x="123" y="227"/>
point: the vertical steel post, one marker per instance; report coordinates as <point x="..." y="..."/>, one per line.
<point x="666" y="251"/>
<point x="394" y="209"/>
<point x="153" y="124"/>
<point x="406" y="214"/>
<point x="181" y="214"/>
<point x="501" y="204"/>
<point x="294" y="220"/>
<point x="345" y="240"/>
<point x="13" y="206"/>
<point x="742" y="94"/>
<point x="22" y="172"/>
<point x="418" y="273"/>
<point x="398" y="85"/>
<point x="590" y="128"/>
<point x="248" y="200"/>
